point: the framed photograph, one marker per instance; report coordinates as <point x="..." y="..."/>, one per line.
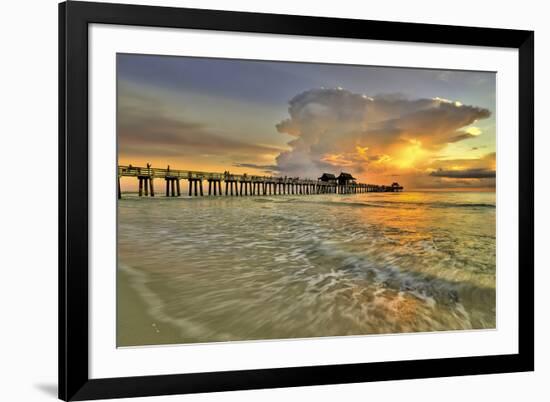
<point x="258" y="201"/>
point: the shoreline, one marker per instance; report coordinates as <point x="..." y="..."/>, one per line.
<point x="135" y="325"/>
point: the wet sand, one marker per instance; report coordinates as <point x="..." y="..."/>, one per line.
<point x="135" y="325"/>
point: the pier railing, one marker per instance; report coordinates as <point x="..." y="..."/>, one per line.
<point x="239" y="184"/>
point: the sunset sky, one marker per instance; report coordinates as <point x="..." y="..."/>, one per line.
<point x="423" y="128"/>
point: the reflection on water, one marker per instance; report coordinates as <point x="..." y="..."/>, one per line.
<point x="220" y="269"/>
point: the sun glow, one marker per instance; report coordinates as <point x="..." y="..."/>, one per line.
<point x="475" y="131"/>
<point x="410" y="155"/>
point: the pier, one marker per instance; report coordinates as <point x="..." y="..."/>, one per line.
<point x="240" y="185"/>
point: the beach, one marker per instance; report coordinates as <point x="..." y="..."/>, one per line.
<point x="217" y="269"/>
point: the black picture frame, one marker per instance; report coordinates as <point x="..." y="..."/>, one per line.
<point x="74" y="381"/>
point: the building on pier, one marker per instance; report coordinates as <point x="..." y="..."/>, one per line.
<point x="394" y="187"/>
<point x="345" y="179"/>
<point x="327" y="178"/>
<point x="346" y="183"/>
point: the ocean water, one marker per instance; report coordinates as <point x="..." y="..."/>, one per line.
<point x="212" y="269"/>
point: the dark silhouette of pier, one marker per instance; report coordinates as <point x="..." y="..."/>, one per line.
<point x="243" y="184"/>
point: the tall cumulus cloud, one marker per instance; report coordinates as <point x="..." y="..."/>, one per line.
<point x="335" y="129"/>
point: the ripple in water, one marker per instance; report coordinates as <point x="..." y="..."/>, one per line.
<point x="227" y="269"/>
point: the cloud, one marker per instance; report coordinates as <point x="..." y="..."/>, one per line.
<point x="465" y="173"/>
<point x="487" y="161"/>
<point x="146" y="128"/>
<point x="478" y="147"/>
<point x="460" y="137"/>
<point x="256" y="166"/>
<point x="167" y="136"/>
<point x="340" y="130"/>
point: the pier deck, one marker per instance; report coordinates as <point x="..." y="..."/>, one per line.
<point x="238" y="184"/>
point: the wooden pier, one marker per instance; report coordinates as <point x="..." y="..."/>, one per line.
<point x="240" y="185"/>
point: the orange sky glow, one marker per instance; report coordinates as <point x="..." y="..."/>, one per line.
<point x="438" y="135"/>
